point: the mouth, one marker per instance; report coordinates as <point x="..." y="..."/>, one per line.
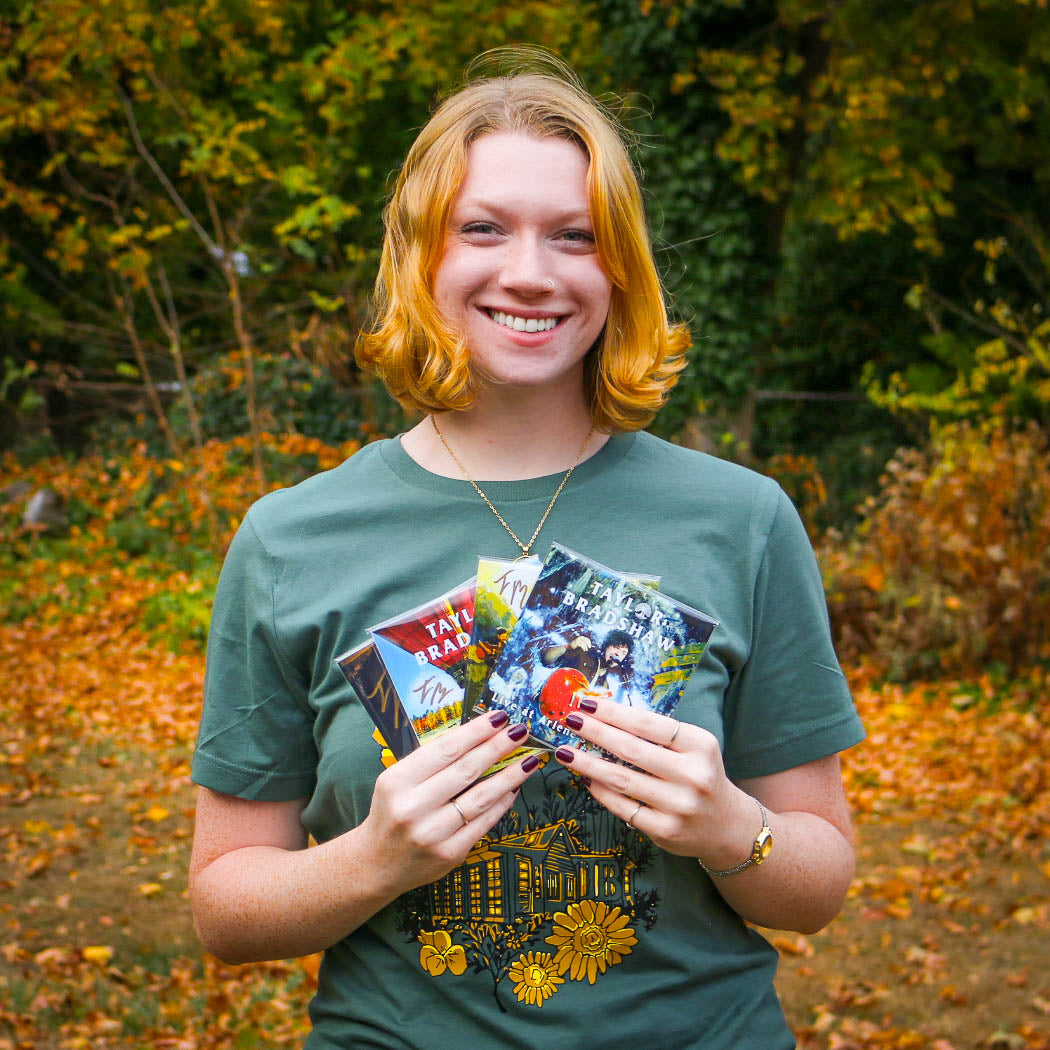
<point x="523" y="324"/>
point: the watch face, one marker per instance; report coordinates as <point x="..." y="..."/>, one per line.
<point x="765" y="846"/>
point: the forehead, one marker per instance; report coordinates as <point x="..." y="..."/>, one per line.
<point x="510" y="166"/>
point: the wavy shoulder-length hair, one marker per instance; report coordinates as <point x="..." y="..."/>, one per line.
<point x="424" y="363"/>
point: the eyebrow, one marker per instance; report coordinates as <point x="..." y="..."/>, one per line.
<point x="570" y="215"/>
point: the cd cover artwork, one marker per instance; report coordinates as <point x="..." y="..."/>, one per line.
<point x="585" y="630"/>
<point x="365" y="671"/>
<point x="423" y="651"/>
<point x="504" y="586"/>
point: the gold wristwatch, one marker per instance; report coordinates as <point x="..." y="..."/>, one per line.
<point x="759" y="851"/>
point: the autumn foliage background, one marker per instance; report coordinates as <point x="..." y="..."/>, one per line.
<point x="849" y="203"/>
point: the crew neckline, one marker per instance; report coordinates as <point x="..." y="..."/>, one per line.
<point x="409" y="471"/>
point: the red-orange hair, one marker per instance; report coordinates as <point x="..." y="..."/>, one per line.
<point x="424" y="363"/>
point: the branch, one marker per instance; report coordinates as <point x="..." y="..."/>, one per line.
<point x="31" y="260"/>
<point x="170" y="324"/>
<point x="979" y="322"/>
<point x="157" y="170"/>
<point x="74" y="186"/>
<point x="124" y="305"/>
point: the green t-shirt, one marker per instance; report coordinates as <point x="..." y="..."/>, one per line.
<point x="563" y="924"/>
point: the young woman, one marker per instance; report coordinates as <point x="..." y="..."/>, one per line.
<point x="582" y="900"/>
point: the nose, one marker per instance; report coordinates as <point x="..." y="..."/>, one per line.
<point x="524" y="270"/>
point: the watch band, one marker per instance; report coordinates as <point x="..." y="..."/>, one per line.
<point x="759" y="851"/>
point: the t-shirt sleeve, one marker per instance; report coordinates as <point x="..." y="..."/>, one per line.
<point x="256" y="733"/>
<point x="789" y="703"/>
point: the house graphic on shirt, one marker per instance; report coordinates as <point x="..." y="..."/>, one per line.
<point x="536" y="872"/>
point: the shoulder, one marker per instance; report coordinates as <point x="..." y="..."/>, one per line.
<point x="696" y="464"/>
<point x="317" y="503"/>
<point x="717" y="484"/>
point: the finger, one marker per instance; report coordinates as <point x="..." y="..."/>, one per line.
<point x="664" y="730"/>
<point x="447" y="747"/>
<point x="610" y="779"/>
<point x="459" y="775"/>
<point x="653" y="807"/>
<point x="633" y="812"/>
<point x="485" y="793"/>
<point x="472" y="806"/>
<point x="625" y="744"/>
<point x="469" y="834"/>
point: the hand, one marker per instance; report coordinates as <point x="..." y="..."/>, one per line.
<point x="678" y="794"/>
<point x="429" y="809"/>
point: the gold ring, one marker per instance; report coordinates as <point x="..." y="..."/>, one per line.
<point x="632" y="816"/>
<point x="677" y="726"/>
<point x="460" y="812"/>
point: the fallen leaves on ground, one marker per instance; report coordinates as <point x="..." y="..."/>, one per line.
<point x="941" y="945"/>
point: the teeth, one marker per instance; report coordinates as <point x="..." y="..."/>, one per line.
<point x="523" y="324"/>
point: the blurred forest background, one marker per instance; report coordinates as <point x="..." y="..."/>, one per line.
<point x="850" y="205"/>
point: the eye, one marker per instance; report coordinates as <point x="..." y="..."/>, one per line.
<point x="584" y="238"/>
<point x="479" y="228"/>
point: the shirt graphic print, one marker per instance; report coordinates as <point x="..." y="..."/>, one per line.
<point x="548" y="896"/>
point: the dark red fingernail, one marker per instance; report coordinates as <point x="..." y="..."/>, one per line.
<point x="499" y="718"/>
<point x="586" y="781"/>
<point x="563" y="754"/>
<point x="574" y="722"/>
<point x="588" y="705"/>
<point x="518" y="732"/>
<point x="530" y="764"/>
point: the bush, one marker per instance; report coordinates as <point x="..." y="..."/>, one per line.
<point x="949" y="571"/>
<point x="151" y="530"/>
<point x="293" y="395"/>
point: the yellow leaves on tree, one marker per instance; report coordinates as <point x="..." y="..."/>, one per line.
<point x="868" y="107"/>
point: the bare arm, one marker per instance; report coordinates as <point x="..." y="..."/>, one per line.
<point x="257" y="892"/>
<point x="803" y="883"/>
<point x="689" y="807"/>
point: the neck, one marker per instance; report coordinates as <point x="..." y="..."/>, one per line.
<point x="497" y="441"/>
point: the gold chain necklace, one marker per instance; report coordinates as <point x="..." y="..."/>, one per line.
<point x="526" y="548"/>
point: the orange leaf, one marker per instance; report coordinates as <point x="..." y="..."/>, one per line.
<point x="39" y="863"/>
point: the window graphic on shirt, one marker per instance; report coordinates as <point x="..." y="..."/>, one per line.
<point x="549" y="896"/>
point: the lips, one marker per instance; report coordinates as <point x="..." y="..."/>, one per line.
<point x="523" y="324"/>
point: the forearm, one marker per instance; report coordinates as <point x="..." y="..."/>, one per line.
<point x="258" y="894"/>
<point x="264" y="902"/>
<point x="672" y="786"/>
<point x="801" y="885"/>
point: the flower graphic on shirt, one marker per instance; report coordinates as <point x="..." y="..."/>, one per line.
<point x="439" y="954"/>
<point x="386" y="756"/>
<point x="590" y="937"/>
<point x="535" y="977"/>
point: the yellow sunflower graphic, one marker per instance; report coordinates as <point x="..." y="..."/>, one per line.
<point x="386" y="756"/>
<point x="439" y="954"/>
<point x="590" y="936"/>
<point x="535" y="977"/>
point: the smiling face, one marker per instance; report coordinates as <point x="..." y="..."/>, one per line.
<point x="520" y="275"/>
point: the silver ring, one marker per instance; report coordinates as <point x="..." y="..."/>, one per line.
<point x="632" y="816"/>
<point x="677" y="726"/>
<point x="549" y="287"/>
<point x="460" y="812"/>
